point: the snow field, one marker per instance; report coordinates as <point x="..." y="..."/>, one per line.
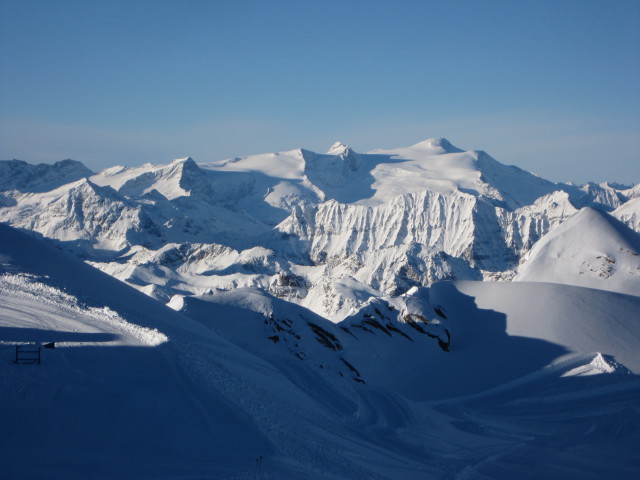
<point x="301" y="330"/>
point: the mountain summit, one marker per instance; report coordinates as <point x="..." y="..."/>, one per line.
<point x="337" y="148"/>
<point x="591" y="249"/>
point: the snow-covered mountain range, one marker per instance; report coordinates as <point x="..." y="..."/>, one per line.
<point x="326" y="231"/>
<point x="422" y="312"/>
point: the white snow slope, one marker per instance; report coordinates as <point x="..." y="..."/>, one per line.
<point x="591" y="249"/>
<point x="532" y="384"/>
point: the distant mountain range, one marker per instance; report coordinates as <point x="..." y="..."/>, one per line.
<point x="325" y="231"/>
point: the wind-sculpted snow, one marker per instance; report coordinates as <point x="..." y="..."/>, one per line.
<point x="30" y="290"/>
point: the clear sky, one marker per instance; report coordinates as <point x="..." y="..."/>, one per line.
<point x="550" y="86"/>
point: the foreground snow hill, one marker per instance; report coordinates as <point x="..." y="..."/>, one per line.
<point x="136" y="390"/>
<point x="591" y="249"/>
<point x="449" y="340"/>
<point x="117" y="390"/>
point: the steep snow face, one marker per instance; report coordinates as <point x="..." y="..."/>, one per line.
<point x="423" y="228"/>
<point x="86" y="215"/>
<point x="591" y="249"/>
<point x="604" y="195"/>
<point x="19" y="175"/>
<point x="411" y="241"/>
<point x="181" y="178"/>
<point x="332" y="229"/>
<point x="523" y="227"/>
<point x="629" y="213"/>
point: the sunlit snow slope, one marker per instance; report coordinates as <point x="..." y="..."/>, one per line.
<point x="591" y="249"/>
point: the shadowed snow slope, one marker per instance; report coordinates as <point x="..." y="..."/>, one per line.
<point x="591" y="249"/>
<point x="580" y="320"/>
<point x="19" y="175"/>
<point x="117" y="397"/>
<point x="136" y="390"/>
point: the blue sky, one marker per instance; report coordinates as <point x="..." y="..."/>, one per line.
<point x="550" y="86"/>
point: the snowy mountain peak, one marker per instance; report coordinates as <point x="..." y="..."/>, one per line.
<point x="591" y="249"/>
<point x="338" y="148"/>
<point x="438" y="145"/>
<point x="183" y="160"/>
<point x="600" y="221"/>
<point x="70" y="164"/>
<point x="22" y="176"/>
